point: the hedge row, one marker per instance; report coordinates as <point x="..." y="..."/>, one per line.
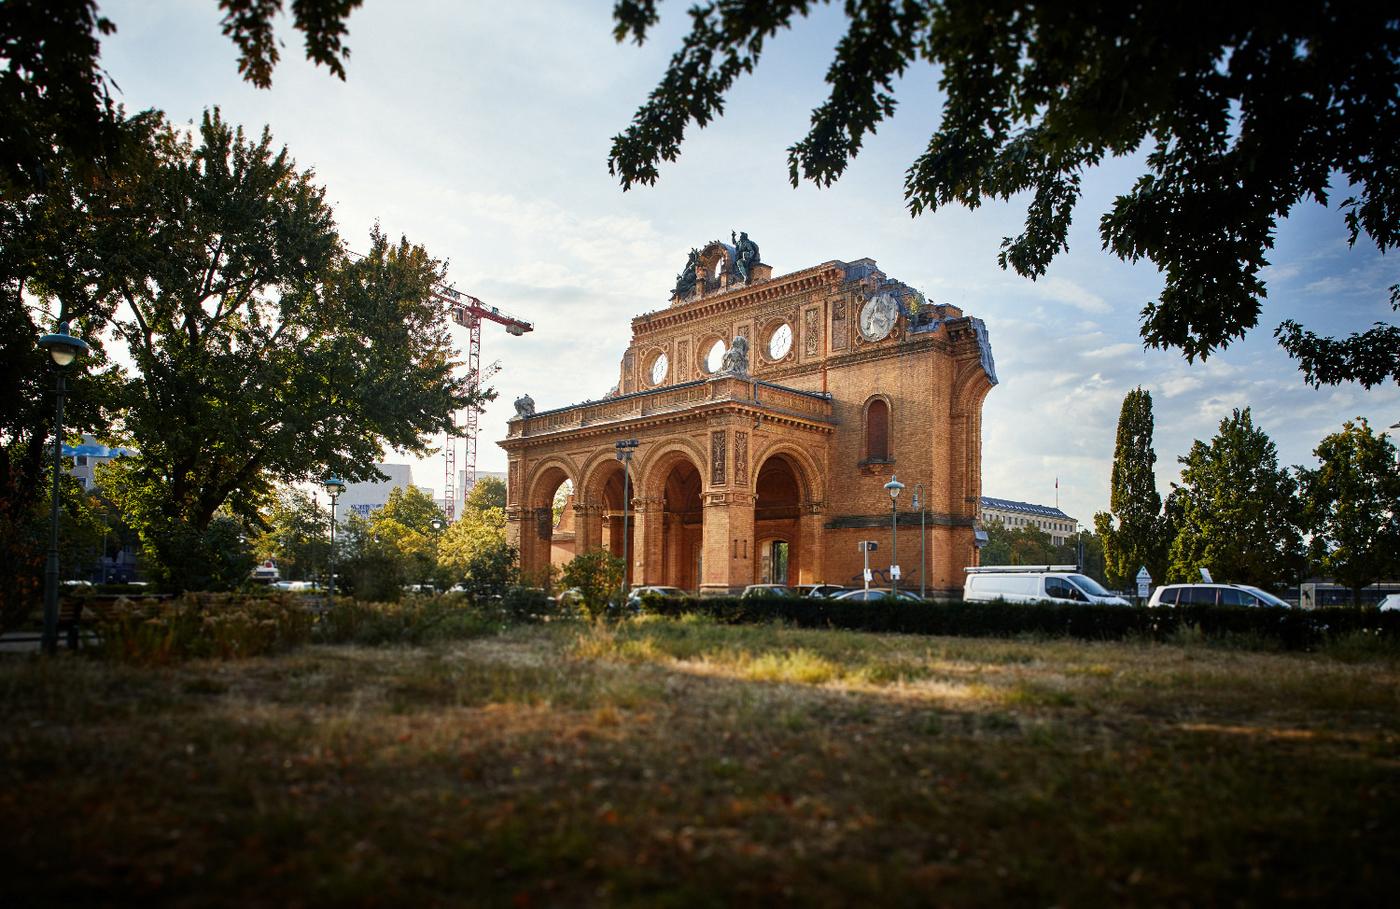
<point x="1292" y="629"/>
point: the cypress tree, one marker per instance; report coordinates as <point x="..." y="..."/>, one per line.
<point x="1138" y="537"/>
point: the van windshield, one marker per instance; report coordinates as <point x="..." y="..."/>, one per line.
<point x="1089" y="585"/>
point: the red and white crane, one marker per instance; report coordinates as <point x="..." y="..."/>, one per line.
<point x="469" y="312"/>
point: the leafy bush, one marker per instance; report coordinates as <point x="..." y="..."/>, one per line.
<point x="526" y="604"/>
<point x="413" y="620"/>
<point x="1289" y="629"/>
<point x="596" y="575"/>
<point x="220" y="626"/>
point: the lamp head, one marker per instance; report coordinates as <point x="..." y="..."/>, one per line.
<point x="894" y="487"/>
<point x="333" y="485"/>
<point x="63" y="347"/>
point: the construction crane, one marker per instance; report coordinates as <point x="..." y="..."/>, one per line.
<point x="469" y="312"/>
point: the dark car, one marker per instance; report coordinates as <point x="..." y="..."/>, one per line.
<point x="878" y="593"/>
<point x="767" y="590"/>
<point x="819" y="590"/>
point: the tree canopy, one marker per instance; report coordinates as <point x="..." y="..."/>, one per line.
<point x="1234" y="510"/>
<point x="55" y="103"/>
<point x="1242" y="113"/>
<point x="263" y="351"/>
<point x="1351" y="503"/>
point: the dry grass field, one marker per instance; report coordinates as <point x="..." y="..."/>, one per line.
<point x="665" y="762"/>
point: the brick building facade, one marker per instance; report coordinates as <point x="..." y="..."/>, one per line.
<point x="771" y="469"/>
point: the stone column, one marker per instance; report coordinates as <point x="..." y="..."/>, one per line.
<point x="588" y="527"/>
<point x="809" y="538"/>
<point x="513" y="534"/>
<point x="728" y="561"/>
<point x="647" y="535"/>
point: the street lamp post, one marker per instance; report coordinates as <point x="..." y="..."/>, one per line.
<point x="625" y="448"/>
<point x="334" y="486"/>
<point x="920" y="504"/>
<point x="64" y="349"/>
<point x="894" y="488"/>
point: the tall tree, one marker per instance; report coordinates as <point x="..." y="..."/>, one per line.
<point x="405" y="525"/>
<point x="263" y="351"/>
<point x="1138" y="538"/>
<point x="475" y="552"/>
<point x="296" y="535"/>
<point x="55" y="102"/>
<point x="1234" y="510"/>
<point x="1351" y="504"/>
<point x="1243" y="114"/>
<point x="488" y="492"/>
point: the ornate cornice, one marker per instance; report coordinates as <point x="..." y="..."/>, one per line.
<point x="728" y="300"/>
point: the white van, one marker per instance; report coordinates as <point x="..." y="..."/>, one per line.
<point x="1035" y="584"/>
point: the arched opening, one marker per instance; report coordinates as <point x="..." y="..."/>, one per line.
<point x="563" y="545"/>
<point x="777" y="516"/>
<point x="682" y="526"/>
<point x="542" y="543"/>
<point x="608" y="486"/>
<point x="877" y="431"/>
<point x="714" y="355"/>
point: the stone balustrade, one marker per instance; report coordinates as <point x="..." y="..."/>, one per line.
<point x="762" y="396"/>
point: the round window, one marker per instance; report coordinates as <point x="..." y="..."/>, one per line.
<point x="780" y="342"/>
<point x="658" y="369"/>
<point x="715" y="358"/>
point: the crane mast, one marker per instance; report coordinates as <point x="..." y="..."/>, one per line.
<point x="469" y="312"/>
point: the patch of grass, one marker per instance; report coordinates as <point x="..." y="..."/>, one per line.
<point x="683" y="762"/>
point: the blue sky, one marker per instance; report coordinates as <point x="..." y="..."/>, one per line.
<point x="482" y="132"/>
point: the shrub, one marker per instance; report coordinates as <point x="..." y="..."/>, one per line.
<point x="413" y="620"/>
<point x="220" y="626"/>
<point x="597" y="575"/>
<point x="1289" y="629"/>
<point x="526" y="604"/>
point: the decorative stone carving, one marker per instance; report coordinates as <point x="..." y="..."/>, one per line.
<point x="839" y="333"/>
<point x="741" y="458"/>
<point x="736" y="359"/>
<point x="524" y="407"/>
<point x="812" y="335"/>
<point x="717" y="443"/>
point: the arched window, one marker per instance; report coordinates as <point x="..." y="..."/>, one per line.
<point x="877" y="431"/>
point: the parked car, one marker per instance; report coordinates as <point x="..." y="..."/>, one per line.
<point x="767" y="590"/>
<point x="819" y="590"/>
<point x="634" y="599"/>
<point x="1035" y="584"/>
<point x="1214" y="595"/>
<point x="877" y="593"/>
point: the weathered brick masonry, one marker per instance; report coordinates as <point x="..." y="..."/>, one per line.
<point x="851" y="377"/>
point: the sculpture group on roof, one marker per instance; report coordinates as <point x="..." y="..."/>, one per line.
<point x="740" y="258"/>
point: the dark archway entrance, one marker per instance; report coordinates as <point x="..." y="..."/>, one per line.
<point x="609" y="487"/>
<point x="777" y="516"/>
<point x="682" y="527"/>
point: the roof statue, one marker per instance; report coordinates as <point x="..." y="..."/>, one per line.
<point x="736" y="359"/>
<point x="524" y="407"/>
<point x="745" y="255"/>
<point x="685" y="281"/>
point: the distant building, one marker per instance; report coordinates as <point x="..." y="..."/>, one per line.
<point x="364" y="497"/>
<point x="1011" y="515"/>
<point x="87" y="455"/>
<point x="116" y="561"/>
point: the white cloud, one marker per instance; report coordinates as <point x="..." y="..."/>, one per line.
<point x="1063" y="290"/>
